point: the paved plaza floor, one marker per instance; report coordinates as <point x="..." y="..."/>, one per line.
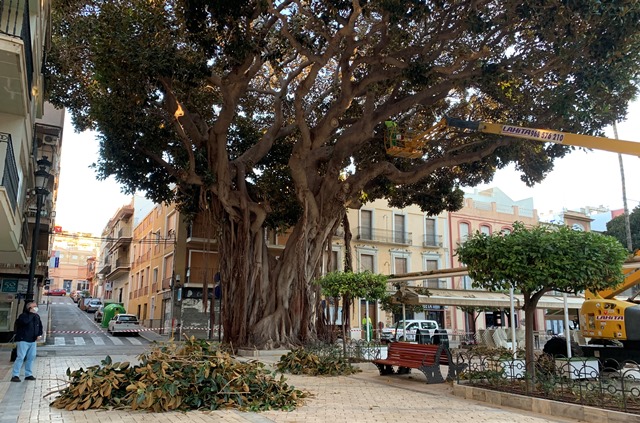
<point x="364" y="397"/>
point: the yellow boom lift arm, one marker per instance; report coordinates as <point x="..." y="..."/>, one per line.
<point x="411" y="145"/>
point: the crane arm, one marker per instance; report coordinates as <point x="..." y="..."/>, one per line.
<point x="411" y="145"/>
<point x="547" y="135"/>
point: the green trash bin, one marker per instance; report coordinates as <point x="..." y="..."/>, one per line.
<point x="110" y="311"/>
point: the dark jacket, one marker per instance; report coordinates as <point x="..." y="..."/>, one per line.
<point x="28" y="327"/>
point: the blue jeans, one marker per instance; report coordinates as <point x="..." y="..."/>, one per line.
<point x="26" y="354"/>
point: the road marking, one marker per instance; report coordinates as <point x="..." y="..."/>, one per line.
<point x="59" y="340"/>
<point x="116" y="341"/>
<point x="97" y="340"/>
<point x="134" y="341"/>
<point x="79" y="340"/>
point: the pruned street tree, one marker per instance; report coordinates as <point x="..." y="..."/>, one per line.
<point x="347" y="286"/>
<point x="538" y="260"/>
<point x="269" y="114"/>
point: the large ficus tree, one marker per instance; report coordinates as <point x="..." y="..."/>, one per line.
<point x="269" y="114"/>
<point x="538" y="260"/>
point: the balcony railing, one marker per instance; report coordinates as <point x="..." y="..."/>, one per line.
<point x="10" y="177"/>
<point x="166" y="283"/>
<point x="201" y="230"/>
<point x="434" y="283"/>
<point x="201" y="274"/>
<point x="383" y="235"/>
<point x="432" y="240"/>
<point x="15" y="22"/>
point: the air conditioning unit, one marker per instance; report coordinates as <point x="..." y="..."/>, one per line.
<point x="50" y="140"/>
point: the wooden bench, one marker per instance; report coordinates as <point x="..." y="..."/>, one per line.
<point x="425" y="357"/>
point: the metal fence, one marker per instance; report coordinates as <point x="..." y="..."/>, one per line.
<point x="578" y="380"/>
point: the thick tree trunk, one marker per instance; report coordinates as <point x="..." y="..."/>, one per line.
<point x="268" y="302"/>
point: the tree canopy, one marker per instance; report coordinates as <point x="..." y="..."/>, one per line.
<point x="269" y="114"/>
<point x="616" y="228"/>
<point x="538" y="260"/>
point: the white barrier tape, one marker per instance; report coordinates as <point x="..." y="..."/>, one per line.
<point x="142" y="329"/>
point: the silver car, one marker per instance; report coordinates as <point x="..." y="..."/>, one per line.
<point x="93" y="305"/>
<point x="397" y="333"/>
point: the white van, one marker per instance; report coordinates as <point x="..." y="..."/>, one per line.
<point x="397" y="333"/>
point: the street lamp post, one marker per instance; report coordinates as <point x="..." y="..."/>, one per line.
<point x="42" y="178"/>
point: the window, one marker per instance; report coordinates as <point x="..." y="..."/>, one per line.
<point x="399" y="265"/>
<point x="366" y="262"/>
<point x="430" y="232"/>
<point x="506" y="231"/>
<point x="171" y="224"/>
<point x="463" y="229"/>
<point x="399" y="235"/>
<point x="366" y="224"/>
<point x="168" y="267"/>
<point x="429" y="325"/>
<point x="432" y="282"/>
<point x="485" y="229"/>
<point x="334" y="265"/>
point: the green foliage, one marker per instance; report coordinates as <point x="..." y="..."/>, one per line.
<point x="543" y="258"/>
<point x="367" y="285"/>
<point x="616" y="228"/>
<point x="274" y="90"/>
<point x="251" y="111"/>
<point x="191" y="376"/>
<point x="302" y="362"/>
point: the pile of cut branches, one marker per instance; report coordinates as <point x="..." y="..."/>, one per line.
<point x="190" y="376"/>
<point x="302" y="362"/>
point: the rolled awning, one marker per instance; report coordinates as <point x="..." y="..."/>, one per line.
<point x="454" y="297"/>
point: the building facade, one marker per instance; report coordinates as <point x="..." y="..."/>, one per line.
<point x="70" y="263"/>
<point x="30" y="134"/>
<point x="165" y="269"/>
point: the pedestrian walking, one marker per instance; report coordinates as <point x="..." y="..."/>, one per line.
<point x="28" y="331"/>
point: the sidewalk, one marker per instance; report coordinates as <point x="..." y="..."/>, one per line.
<point x="364" y="397"/>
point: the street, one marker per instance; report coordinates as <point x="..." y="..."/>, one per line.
<point x="74" y="332"/>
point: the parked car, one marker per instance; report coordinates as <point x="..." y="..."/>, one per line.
<point x="124" y="323"/>
<point x="397" y="333"/>
<point x="57" y="292"/>
<point x="93" y="305"/>
<point x="84" y="302"/>
<point x="97" y="316"/>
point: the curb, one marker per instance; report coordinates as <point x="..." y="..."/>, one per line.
<point x="543" y="406"/>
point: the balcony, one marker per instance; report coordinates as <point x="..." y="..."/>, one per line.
<point x="432" y="240"/>
<point x="434" y="283"/>
<point x="15" y="234"/>
<point x="123" y="239"/>
<point x="200" y="234"/>
<point x="16" y="57"/>
<point x="384" y="236"/>
<point x="121" y="267"/>
<point x="200" y="274"/>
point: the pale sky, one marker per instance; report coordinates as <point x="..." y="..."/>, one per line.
<point x="583" y="178"/>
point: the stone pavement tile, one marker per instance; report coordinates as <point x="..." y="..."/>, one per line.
<point x="364" y="397"/>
